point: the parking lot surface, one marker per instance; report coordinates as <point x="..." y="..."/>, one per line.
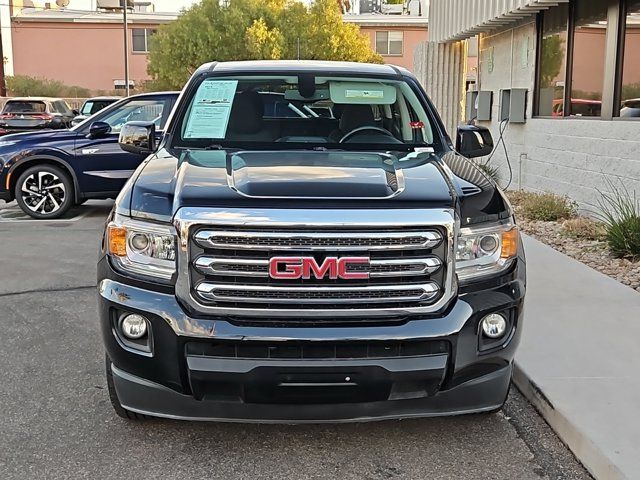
<point x="57" y="423"/>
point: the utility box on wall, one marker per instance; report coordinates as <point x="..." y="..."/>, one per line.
<point x="471" y="106"/>
<point x="485" y="105"/>
<point x="513" y="105"/>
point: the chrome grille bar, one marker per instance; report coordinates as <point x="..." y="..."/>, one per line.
<point x="244" y="267"/>
<point x="316" y="295"/>
<point x="240" y="267"/>
<point x="315" y="240"/>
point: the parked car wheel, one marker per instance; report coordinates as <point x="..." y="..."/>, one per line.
<point x="44" y="192"/>
<point x="115" y="401"/>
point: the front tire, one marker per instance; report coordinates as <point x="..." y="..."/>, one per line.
<point x="115" y="401"/>
<point x="44" y="192"/>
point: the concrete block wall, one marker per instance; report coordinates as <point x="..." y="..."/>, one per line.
<point x="576" y="157"/>
<point x="440" y="68"/>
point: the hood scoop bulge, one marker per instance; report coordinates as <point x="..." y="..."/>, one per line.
<point x="307" y="174"/>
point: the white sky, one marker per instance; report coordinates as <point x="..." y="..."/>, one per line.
<point x="161" y="5"/>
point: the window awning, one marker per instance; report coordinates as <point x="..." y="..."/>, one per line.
<point x="451" y="20"/>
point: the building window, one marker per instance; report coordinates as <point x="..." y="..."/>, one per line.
<point x="579" y="51"/>
<point x="553" y="61"/>
<point x="589" y="46"/>
<point x="630" y="90"/>
<point x="389" y="43"/>
<point x="141" y="38"/>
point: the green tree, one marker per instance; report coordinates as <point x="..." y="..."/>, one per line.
<point x="553" y="53"/>
<point x="251" y="30"/>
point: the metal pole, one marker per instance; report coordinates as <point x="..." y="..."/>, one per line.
<point x="126" y="48"/>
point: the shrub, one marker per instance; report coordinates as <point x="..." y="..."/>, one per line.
<point x="620" y="213"/>
<point x="516" y="197"/>
<point x="584" y="228"/>
<point x="23" y="86"/>
<point x="546" y="207"/>
<point x="490" y="171"/>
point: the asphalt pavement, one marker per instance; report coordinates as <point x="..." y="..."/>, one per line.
<point x="56" y="421"/>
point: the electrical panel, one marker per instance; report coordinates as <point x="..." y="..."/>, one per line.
<point x="471" y="109"/>
<point x="518" y="105"/>
<point x="485" y="105"/>
<point x="513" y="105"/>
<point x="505" y="104"/>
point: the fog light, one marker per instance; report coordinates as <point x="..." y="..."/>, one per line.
<point x="494" y="325"/>
<point x="134" y="326"/>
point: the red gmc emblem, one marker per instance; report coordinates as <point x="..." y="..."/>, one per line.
<point x="292" y="268"/>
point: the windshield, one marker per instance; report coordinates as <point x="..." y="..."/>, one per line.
<point x="305" y="111"/>
<point x="24" y="107"/>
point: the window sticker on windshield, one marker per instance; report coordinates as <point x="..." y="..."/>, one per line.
<point x="211" y="109"/>
<point x="364" y="94"/>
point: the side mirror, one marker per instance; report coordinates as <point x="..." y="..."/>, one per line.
<point x="138" y="137"/>
<point x="75" y="112"/>
<point x="473" y="141"/>
<point x="99" y="129"/>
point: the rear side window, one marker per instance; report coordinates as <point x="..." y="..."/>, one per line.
<point x="20" y="106"/>
<point x="138" y="110"/>
<point x="94" y="106"/>
<point x="61" y="107"/>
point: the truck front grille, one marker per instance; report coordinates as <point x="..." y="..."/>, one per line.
<point x="229" y="267"/>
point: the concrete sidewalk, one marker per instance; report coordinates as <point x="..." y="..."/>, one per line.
<point x="579" y="361"/>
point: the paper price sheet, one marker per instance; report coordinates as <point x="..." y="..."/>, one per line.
<point x="211" y="109"/>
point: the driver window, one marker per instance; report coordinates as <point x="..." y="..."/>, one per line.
<point x="136" y="111"/>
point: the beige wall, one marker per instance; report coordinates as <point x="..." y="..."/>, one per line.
<point x="412" y="37"/>
<point x="86" y="55"/>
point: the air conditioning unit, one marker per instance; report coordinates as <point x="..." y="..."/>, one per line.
<point x="113" y="5"/>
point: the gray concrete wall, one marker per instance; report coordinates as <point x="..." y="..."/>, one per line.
<point x="440" y="68"/>
<point x="572" y="156"/>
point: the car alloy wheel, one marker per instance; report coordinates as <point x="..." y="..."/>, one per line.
<point x="43" y="192"/>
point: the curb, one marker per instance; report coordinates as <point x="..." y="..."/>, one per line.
<point x="585" y="449"/>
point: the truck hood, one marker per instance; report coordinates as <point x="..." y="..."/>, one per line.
<point x="292" y="179"/>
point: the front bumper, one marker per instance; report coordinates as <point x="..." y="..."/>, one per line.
<point x="174" y="382"/>
<point x="485" y="393"/>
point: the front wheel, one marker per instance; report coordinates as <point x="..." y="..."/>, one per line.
<point x="44" y="192"/>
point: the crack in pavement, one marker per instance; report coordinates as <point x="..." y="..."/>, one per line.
<point x="48" y="290"/>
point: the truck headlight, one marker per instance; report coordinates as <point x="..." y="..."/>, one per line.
<point x="485" y="250"/>
<point x="142" y="248"/>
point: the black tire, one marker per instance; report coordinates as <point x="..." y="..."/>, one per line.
<point x="113" y="396"/>
<point x="44" y="192"/>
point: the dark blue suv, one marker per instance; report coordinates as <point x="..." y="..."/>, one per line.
<point x="47" y="172"/>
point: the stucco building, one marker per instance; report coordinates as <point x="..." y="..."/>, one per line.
<point x="82" y="48"/>
<point x="395" y="37"/>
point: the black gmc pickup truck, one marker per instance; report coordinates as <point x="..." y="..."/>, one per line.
<point x="328" y="258"/>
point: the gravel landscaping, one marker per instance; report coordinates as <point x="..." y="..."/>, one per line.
<point x="590" y="251"/>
